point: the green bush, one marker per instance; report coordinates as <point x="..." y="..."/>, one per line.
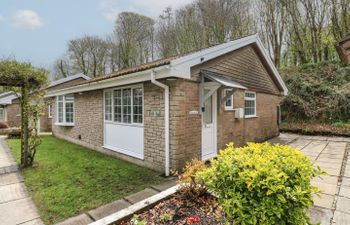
<point x="262" y="184"/>
<point x="317" y="92"/>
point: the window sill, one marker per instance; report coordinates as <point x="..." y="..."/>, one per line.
<point x="65" y="124"/>
<point x="250" y="117"/>
<point x="229" y="109"/>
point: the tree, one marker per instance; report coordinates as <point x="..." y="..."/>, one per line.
<point x="166" y="34"/>
<point x="62" y="68"/>
<point x="134" y="34"/>
<point x="88" y="55"/>
<point x="273" y="26"/>
<point x="29" y="82"/>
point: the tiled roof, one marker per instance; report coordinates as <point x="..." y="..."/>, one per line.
<point x="146" y="66"/>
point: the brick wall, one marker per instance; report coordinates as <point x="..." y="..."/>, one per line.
<point x="244" y="130"/>
<point x="13" y="114"/>
<point x="185" y="129"/>
<point x="185" y="132"/>
<point x="89" y="124"/>
<point x="88" y="121"/>
<point x="45" y="121"/>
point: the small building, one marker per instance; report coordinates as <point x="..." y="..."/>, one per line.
<point x="10" y="109"/>
<point x="164" y="113"/>
<point x="343" y="49"/>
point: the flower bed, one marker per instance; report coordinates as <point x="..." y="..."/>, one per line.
<point x="177" y="210"/>
<point x="256" y="184"/>
<point x="316" y="129"/>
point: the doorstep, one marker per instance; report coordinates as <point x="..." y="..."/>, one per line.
<point x="120" y="205"/>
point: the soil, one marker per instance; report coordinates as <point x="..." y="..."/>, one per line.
<point x="178" y="210"/>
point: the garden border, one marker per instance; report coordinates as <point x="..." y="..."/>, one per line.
<point x="137" y="207"/>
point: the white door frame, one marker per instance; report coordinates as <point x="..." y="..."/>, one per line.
<point x="214" y="115"/>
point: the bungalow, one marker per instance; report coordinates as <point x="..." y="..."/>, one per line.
<point x="164" y="113"/>
<point x="10" y="110"/>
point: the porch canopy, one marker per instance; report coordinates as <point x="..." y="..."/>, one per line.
<point x="212" y="81"/>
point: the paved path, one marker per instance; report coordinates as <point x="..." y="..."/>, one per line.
<point x="15" y="205"/>
<point x="332" y="155"/>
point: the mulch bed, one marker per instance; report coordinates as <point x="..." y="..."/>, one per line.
<point x="315" y="129"/>
<point x="177" y="210"/>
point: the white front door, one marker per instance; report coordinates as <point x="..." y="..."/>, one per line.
<point x="209" y="127"/>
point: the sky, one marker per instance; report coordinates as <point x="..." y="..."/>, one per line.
<point x="38" y="31"/>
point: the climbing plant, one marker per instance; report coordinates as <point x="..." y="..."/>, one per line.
<point x="28" y="82"/>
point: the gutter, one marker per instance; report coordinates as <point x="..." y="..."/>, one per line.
<point x="166" y="120"/>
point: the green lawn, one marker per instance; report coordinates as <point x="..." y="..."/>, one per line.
<point x="69" y="179"/>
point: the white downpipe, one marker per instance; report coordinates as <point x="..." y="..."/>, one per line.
<point x="166" y="120"/>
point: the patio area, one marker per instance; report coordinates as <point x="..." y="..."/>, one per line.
<point x="332" y="155"/>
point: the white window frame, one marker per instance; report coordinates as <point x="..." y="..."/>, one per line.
<point x="111" y="90"/>
<point x="49" y="111"/>
<point x="228" y="108"/>
<point x="251" y="99"/>
<point x="64" y="123"/>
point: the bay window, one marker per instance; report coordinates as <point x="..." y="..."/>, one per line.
<point x="250" y="104"/>
<point x="124" y="105"/>
<point x="65" y="110"/>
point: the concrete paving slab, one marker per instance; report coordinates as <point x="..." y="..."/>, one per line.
<point x="326" y="179"/>
<point x="345" y="191"/>
<point x="165" y="185"/>
<point x="280" y="140"/>
<point x="82" y="219"/>
<point x="332" y="172"/>
<point x="320" y="215"/>
<point x="139" y="196"/>
<point x="325" y="159"/>
<point x="315" y="147"/>
<point x="341" y="139"/>
<point x="12" y="192"/>
<point x="10" y="178"/>
<point x="323" y="200"/>
<point x="299" y="143"/>
<point x="330" y="189"/>
<point x="289" y="135"/>
<point x="343" y="205"/>
<point x="325" y="165"/>
<point x="347" y="172"/>
<point x="331" y="156"/>
<point x="346" y="181"/>
<point x="341" y="218"/>
<point x="34" y="222"/>
<point x="108" y="209"/>
<point x="17" y="212"/>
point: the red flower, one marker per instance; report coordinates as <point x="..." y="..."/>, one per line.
<point x="193" y="219"/>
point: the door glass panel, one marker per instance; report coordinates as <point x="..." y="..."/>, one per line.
<point x="208" y="109"/>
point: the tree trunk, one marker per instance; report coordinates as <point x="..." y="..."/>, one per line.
<point x="25" y="127"/>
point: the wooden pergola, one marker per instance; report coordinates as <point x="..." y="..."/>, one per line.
<point x="27" y="79"/>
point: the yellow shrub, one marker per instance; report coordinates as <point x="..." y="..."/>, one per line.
<point x="262" y="184"/>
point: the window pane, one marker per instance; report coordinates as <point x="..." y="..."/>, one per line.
<point x="228" y="102"/>
<point x="126" y="105"/>
<point x="137" y="105"/>
<point x="208" y="112"/>
<point x="60" y="112"/>
<point x="118" y="105"/>
<point x="249" y="107"/>
<point x="69" y="112"/>
<point x="250" y="95"/>
<point x="2" y="113"/>
<point x="108" y="106"/>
